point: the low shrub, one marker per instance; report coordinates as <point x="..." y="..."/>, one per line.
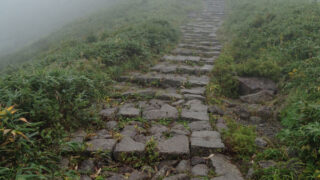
<point x="240" y="140"/>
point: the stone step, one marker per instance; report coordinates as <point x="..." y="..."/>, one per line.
<point x="199" y="47"/>
<point x="204" y="143"/>
<point x="189" y="59"/>
<point x="201" y="42"/>
<point x="172" y="95"/>
<point x="199" y="30"/>
<point x="224" y="169"/>
<point x="165" y="80"/>
<point x="194" y="110"/>
<point x="135" y="92"/>
<point x="203" y="38"/>
<point x="182" y="69"/>
<point x="193" y="52"/>
<point x="208" y="36"/>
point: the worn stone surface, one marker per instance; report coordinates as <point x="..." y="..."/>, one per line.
<point x="129" y="131"/>
<point x="128" y="146"/>
<point x="128" y="110"/>
<point x="200" y="170"/>
<point x="249" y="85"/>
<point x="158" y="129"/>
<point x="177" y="146"/>
<point x="166" y="80"/>
<point x="259" y="97"/>
<point x="242" y="112"/>
<point x="133" y="93"/>
<point x="190" y="115"/>
<point x="182" y="58"/>
<point x="111" y="125"/>
<point x="166" y="67"/>
<point x="179" y="129"/>
<point x="168" y="96"/>
<point x="205" y="142"/>
<point x="183" y="166"/>
<point x="79" y="133"/>
<point x="101" y="134"/>
<point x="101" y="145"/>
<point x="215" y="110"/>
<point x="196" y="90"/>
<point x="196" y="105"/>
<point x="221" y="125"/>
<point x="198" y="160"/>
<point x="194" y="96"/>
<point x="136" y="175"/>
<point x="260" y="142"/>
<point x="200" y="126"/>
<point x="225" y="169"/>
<point x="165" y="112"/>
<point x="108" y="113"/>
<point x="250" y="173"/>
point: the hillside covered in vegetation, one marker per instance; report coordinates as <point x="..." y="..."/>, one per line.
<point x="278" y="40"/>
<point x="63" y="78"/>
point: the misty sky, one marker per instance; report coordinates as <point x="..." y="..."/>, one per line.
<point x="24" y="21"/>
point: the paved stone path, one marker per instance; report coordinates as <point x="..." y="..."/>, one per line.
<point x="168" y="105"/>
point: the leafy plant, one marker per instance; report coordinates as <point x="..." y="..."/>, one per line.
<point x="240" y="140"/>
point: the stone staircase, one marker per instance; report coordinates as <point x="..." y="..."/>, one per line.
<point x="168" y="105"/>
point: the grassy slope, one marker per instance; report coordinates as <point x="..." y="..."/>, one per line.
<point x="278" y="39"/>
<point x="56" y="91"/>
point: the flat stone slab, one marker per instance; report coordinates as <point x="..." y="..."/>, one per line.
<point x="129" y="131"/>
<point x="101" y="134"/>
<point x="205" y="142"/>
<point x="189" y="115"/>
<point x="196" y="90"/>
<point x="200" y="170"/>
<point x="194" y="96"/>
<point x="257" y="98"/>
<point x="221" y="125"/>
<point x="182" y="58"/>
<point x="128" y="146"/>
<point x="157" y="130"/>
<point x="193" y="46"/>
<point x="179" y="129"/>
<point x="225" y="169"/>
<point x="208" y="60"/>
<point x="108" y="113"/>
<point x="168" y="95"/>
<point x="200" y="126"/>
<point x="249" y="85"/>
<point x="148" y="92"/>
<point x="165" y="112"/>
<point x="166" y="80"/>
<point x="100" y="145"/>
<point x="192" y="52"/>
<point x="166" y="67"/>
<point x="175" y="147"/>
<point x="128" y="110"/>
<point x="196" y="105"/>
<point x="183" y="166"/>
